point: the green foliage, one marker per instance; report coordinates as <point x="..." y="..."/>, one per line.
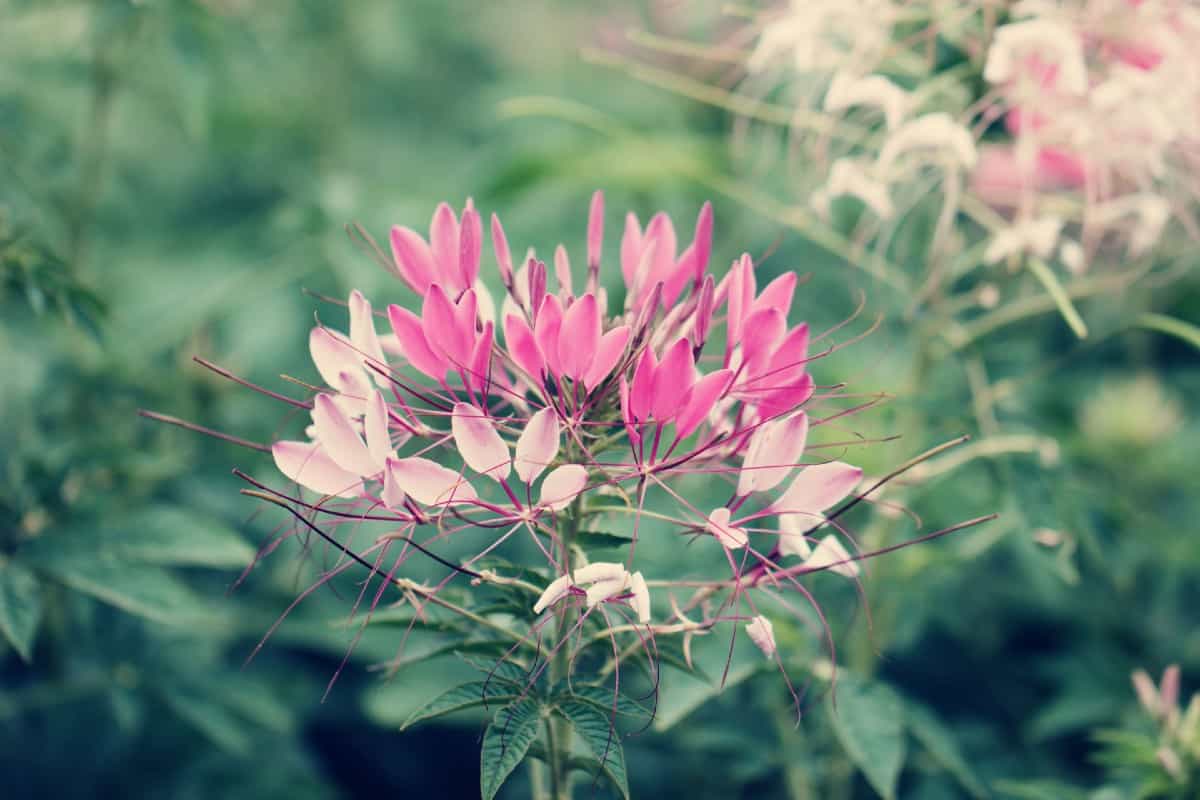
<point x="869" y="722"/>
<point x="505" y="743"/>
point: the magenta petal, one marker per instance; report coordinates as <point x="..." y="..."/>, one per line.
<point x="672" y="380"/>
<point x="818" y="488"/>
<point x="410" y="336"/>
<point x="338" y="438"/>
<point x="538" y="445"/>
<point x="503" y="254"/>
<point x="762" y="334"/>
<point x="546" y="332"/>
<point x="479" y="370"/>
<point x="428" y="482"/>
<point x="375" y="430"/>
<point x="470" y="245"/>
<point x="774" y="449"/>
<point x="608" y="352"/>
<point x="440" y="323"/>
<point x="787" y="399"/>
<point x="562" y="486"/>
<point x="478" y="443"/>
<point x="413" y="258"/>
<point x="704" y="312"/>
<point x="702" y="241"/>
<point x="777" y="295"/>
<point x="740" y="296"/>
<point x="536" y="270"/>
<point x="522" y="348"/>
<point x="661" y="231"/>
<point x="595" y="230"/>
<point x="700" y="400"/>
<point x="443" y="241"/>
<point x="579" y="337"/>
<point x="641" y="391"/>
<point x="310" y="466"/>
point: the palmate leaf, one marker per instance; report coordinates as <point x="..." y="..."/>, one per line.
<point x="596" y="729"/>
<point x="869" y="722"/>
<point x="468" y="695"/>
<point x="506" y="742"/>
<point x="20" y="607"/>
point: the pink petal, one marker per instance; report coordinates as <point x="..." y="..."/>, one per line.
<point x="662" y="231"/>
<point x="375" y="429"/>
<point x="731" y="537"/>
<point x="337" y="362"/>
<point x="702" y="241"/>
<point x="699" y="402"/>
<point x="443" y="241"/>
<point x="479" y="373"/>
<point x="672" y="380"/>
<point x="364" y="337"/>
<point x="522" y="348"/>
<point x="478" y="443"/>
<point x="741" y="295"/>
<point x="503" y="254"/>
<point x="411" y="337"/>
<point x="440" y="324"/>
<point x="631" y="248"/>
<point x="762" y="334"/>
<point x="788" y="399"/>
<point x="562" y="486"/>
<point x="470" y="245"/>
<point x="546" y="332"/>
<point x="579" y="337"/>
<point x="704" y="313"/>
<point x="538" y="445"/>
<point x="536" y="271"/>
<point x="818" y="488"/>
<point x="338" y="438"/>
<point x="562" y="270"/>
<point x="413" y="258"/>
<point x="777" y="295"/>
<point x="428" y="482"/>
<point x="595" y="230"/>
<point x="309" y="465"/>
<point x="641" y="392"/>
<point x="790" y="358"/>
<point x="772" y="454"/>
<point x="608" y="352"/>
<point x="393" y="495"/>
<point x="829" y="552"/>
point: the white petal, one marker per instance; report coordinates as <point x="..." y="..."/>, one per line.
<point x="557" y="590"/>
<point x="641" y="597"/>
<point x="762" y="633"/>
<point x="728" y="535"/>
<point x="537" y="445"/>
<point x="478" y="443"/>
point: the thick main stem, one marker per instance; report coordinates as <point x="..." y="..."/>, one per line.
<point x="558" y="731"/>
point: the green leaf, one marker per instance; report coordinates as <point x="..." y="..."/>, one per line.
<point x="1059" y="294"/>
<point x="504" y="671"/>
<point x="20" y="607"/>
<point x="506" y="742"/>
<point x="869" y="721"/>
<point x="682" y="699"/>
<point x="146" y="591"/>
<point x="599" y="540"/>
<point x="941" y="745"/>
<point x="601" y="698"/>
<point x="222" y="727"/>
<point x="596" y="729"/>
<point x="174" y="536"/>
<point x="468" y="695"/>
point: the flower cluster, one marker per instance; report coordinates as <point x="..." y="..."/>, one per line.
<point x="524" y="417"/>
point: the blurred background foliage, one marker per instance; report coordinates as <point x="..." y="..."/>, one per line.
<point x="175" y="176"/>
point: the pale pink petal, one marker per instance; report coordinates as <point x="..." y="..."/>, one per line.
<point x="762" y="633"/>
<point x="579" y="337"/>
<point x="704" y="312"/>
<point x="793" y="534"/>
<point x="818" y="488"/>
<point x="672" y="380"/>
<point x="730" y="536"/>
<point x="538" y="445"/>
<point x="829" y="553"/>
<point x="562" y="271"/>
<point x="479" y="372"/>
<point x="337" y="362"/>
<point x="608" y="352"/>
<point x="740" y="297"/>
<point x="339" y="438"/>
<point x="428" y="482"/>
<point x="546" y="332"/>
<point x="310" y="466"/>
<point x="631" y="248"/>
<point x="443" y="241"/>
<point x="641" y="597"/>
<point x="410" y="337"/>
<point x="700" y="400"/>
<point x="595" y="230"/>
<point x="641" y="392"/>
<point x="478" y="442"/>
<point x="413" y="258"/>
<point x="557" y="590"/>
<point x="562" y="486"/>
<point x="393" y="495"/>
<point x="772" y="453"/>
<point x="364" y="337"/>
<point x="662" y="231"/>
<point x="522" y="348"/>
<point x="375" y="429"/>
<point x="536" y="281"/>
<point x="470" y="245"/>
<point x="503" y="254"/>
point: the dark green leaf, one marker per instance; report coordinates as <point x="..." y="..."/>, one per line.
<point x="468" y="695"/>
<point x="146" y="591"/>
<point x="940" y="742"/>
<point x="20" y="607"/>
<point x="596" y="729"/>
<point x="869" y="722"/>
<point x="506" y="742"/>
<point x="601" y="698"/>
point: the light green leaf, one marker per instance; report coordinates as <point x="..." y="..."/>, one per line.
<point x="174" y="536"/>
<point x="869" y="721"/>
<point x="596" y="729"/>
<point x="933" y="735"/>
<point x="146" y="591"/>
<point x="468" y="695"/>
<point x="506" y="742"/>
<point x="685" y="696"/>
<point x="20" y="607"/>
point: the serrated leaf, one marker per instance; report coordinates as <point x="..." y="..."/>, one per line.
<point x="869" y="722"/>
<point x="941" y="745"/>
<point x="20" y="607"/>
<point x="595" y="540"/>
<point x="601" y="698"/>
<point x="507" y="670"/>
<point x="468" y="695"/>
<point x="506" y="742"/>
<point x="173" y="536"/>
<point x="596" y="729"/>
